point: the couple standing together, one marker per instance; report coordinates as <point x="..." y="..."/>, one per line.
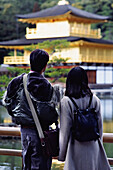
<point x="77" y="155"/>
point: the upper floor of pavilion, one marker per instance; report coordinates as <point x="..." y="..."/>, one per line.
<point x="62" y="20"/>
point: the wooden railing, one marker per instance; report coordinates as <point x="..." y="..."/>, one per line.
<point x="74" y="31"/>
<point x="88" y="58"/>
<point x="10" y="131"/>
<point x="81" y="32"/>
<point x="95" y="58"/>
<point x="15" y="131"/>
<point x="16" y="60"/>
<point x="31" y="30"/>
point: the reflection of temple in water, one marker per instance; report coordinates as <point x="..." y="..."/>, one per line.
<point x="87" y="48"/>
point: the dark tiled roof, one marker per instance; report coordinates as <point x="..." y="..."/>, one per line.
<point x="99" y="41"/>
<point x="62" y="9"/>
<point x="22" y="42"/>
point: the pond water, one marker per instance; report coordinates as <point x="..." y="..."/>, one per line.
<point x="15" y="163"/>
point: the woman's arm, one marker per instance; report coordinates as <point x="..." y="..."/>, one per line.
<point x="98" y="110"/>
<point x="65" y="127"/>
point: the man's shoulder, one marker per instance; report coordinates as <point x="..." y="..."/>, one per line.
<point x="14" y="84"/>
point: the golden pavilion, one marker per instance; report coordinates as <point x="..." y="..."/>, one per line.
<point x="63" y="21"/>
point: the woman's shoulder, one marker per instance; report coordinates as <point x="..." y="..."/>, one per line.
<point x="65" y="100"/>
<point x="95" y="98"/>
<point x="96" y="102"/>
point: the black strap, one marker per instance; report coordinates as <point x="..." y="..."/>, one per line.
<point x="74" y="103"/>
<point x="77" y="105"/>
<point x="90" y="101"/>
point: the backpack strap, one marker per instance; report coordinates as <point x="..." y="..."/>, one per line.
<point x="74" y="103"/>
<point x="77" y="105"/>
<point x="90" y="100"/>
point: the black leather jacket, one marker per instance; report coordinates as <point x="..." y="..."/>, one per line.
<point x="40" y="90"/>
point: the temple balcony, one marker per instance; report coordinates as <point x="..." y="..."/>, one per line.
<point x="80" y="52"/>
<point x="82" y="58"/>
<point x="31" y="33"/>
<point x="91" y="33"/>
<point x="16" y="60"/>
<point x="66" y="29"/>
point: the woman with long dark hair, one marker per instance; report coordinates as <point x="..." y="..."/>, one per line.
<point x="87" y="155"/>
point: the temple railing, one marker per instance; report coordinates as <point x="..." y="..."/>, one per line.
<point x="86" y="32"/>
<point x="80" y="31"/>
<point x="16" y="60"/>
<point x="15" y="131"/>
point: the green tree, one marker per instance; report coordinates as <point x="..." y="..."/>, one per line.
<point x="104" y="8"/>
<point x="51" y="47"/>
<point x="10" y="28"/>
<point x="48" y="4"/>
<point x="56" y="74"/>
<point x="5" y="79"/>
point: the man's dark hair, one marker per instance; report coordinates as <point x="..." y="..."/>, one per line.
<point x="38" y="60"/>
<point x="77" y="83"/>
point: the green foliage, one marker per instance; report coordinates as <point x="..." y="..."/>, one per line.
<point x="57" y="74"/>
<point x="58" y="60"/>
<point x="9" y="27"/>
<point x="64" y="72"/>
<point x="51" y="72"/>
<point x="77" y="5"/>
<point x="19" y="53"/>
<point x="5" y="79"/>
<point x="53" y="46"/>
<point x="31" y="47"/>
<point x="62" y="79"/>
<point x="50" y="46"/>
<point x="49" y="3"/>
<point x="104" y="8"/>
<point x="15" y="71"/>
<point x="1" y="94"/>
<point x="54" y="73"/>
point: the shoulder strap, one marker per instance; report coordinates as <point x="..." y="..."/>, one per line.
<point x="90" y="100"/>
<point x="77" y="105"/>
<point x="74" y="103"/>
<point x="35" y="117"/>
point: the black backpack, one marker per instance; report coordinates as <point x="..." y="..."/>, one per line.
<point x="85" y="125"/>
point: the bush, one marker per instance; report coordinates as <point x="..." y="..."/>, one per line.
<point x="62" y="79"/>
<point x="5" y="79"/>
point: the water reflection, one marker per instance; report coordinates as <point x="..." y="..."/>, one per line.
<point x="107" y="108"/>
<point x="4" y="116"/>
<point x="10" y="162"/>
<point x="15" y="163"/>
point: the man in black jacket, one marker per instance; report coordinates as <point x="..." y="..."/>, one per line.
<point x="40" y="90"/>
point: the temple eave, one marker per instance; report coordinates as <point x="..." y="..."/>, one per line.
<point x="66" y="16"/>
<point x="12" y="47"/>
